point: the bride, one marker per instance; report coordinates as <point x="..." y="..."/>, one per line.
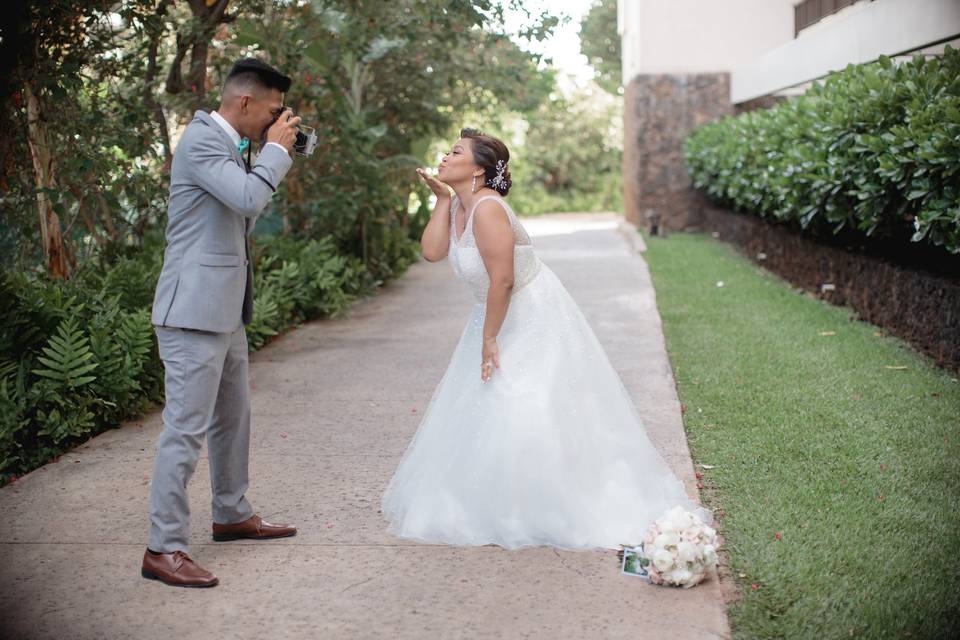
<point x="531" y="437"/>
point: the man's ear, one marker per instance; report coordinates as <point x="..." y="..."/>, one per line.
<point x="244" y="101"/>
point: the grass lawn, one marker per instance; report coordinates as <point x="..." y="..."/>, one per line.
<point x="837" y="476"/>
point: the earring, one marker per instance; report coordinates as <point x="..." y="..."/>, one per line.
<point x="473" y="187"/>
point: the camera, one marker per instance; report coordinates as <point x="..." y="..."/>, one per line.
<point x="306" y="142"/>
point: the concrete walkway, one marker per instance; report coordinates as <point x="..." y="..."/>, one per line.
<point x="335" y="404"/>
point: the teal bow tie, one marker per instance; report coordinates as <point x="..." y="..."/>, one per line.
<point x="243" y="144"/>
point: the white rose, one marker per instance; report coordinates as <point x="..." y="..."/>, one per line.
<point x="663" y="559"/>
<point x="666" y="539"/>
<point x="695" y="580"/>
<point x="687" y="551"/>
<point x="710" y="554"/>
<point x="665" y="524"/>
<point x="678" y="576"/>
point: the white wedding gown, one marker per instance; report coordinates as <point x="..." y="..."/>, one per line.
<point x="550" y="451"/>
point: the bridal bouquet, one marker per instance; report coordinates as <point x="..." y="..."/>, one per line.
<point x="680" y="549"/>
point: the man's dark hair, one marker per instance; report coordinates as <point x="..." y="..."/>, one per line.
<point x="253" y="72"/>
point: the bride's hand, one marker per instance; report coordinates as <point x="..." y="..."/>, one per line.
<point x="491" y="359"/>
<point x="441" y="190"/>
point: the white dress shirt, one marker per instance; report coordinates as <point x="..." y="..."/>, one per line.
<point x="233" y="132"/>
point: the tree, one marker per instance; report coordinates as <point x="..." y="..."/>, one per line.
<point x="600" y="42"/>
<point x="94" y="91"/>
<point x="572" y="142"/>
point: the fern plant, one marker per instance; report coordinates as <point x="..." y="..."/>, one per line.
<point x="13" y="419"/>
<point x="68" y="357"/>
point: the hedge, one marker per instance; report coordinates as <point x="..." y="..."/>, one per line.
<point x="875" y="148"/>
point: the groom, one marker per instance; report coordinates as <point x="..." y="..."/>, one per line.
<point x="203" y="300"/>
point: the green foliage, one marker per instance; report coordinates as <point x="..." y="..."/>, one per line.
<point x="298" y="281"/>
<point x="835" y="477"/>
<point x="69" y="369"/>
<point x="530" y="198"/>
<point x="571" y="156"/>
<point x="84" y="61"/>
<point x="376" y="79"/>
<point x="600" y="42"/>
<point x="67" y="360"/>
<point x="875" y="148"/>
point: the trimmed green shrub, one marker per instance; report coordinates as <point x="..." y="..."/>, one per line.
<point x="875" y="148"/>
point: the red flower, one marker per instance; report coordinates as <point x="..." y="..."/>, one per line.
<point x="754" y="586"/>
<point x="778" y="536"/>
<point x="699" y="475"/>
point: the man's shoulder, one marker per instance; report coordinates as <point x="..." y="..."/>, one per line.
<point x="201" y="132"/>
<point x="201" y="125"/>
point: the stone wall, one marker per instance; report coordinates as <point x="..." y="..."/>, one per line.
<point x="660" y="110"/>
<point x="764" y="102"/>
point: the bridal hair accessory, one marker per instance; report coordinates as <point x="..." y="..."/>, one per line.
<point x="498" y="180"/>
<point x="678" y="550"/>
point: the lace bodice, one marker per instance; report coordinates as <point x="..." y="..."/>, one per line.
<point x="465" y="257"/>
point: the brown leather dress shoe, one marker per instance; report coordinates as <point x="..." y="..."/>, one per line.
<point x="176" y="569"/>
<point x="256" y="528"/>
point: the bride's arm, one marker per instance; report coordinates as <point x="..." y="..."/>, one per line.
<point x="435" y="241"/>
<point x="494" y="235"/>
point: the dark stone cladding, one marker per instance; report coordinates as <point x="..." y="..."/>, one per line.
<point x="763" y="102"/>
<point x="660" y="110"/>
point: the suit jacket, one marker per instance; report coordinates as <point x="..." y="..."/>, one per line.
<point x="207" y="279"/>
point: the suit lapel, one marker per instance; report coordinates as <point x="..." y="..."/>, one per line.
<point x="223" y="135"/>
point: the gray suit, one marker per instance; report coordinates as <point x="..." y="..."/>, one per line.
<point x="203" y="300"/>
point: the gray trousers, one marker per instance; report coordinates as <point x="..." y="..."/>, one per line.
<point x="207" y="396"/>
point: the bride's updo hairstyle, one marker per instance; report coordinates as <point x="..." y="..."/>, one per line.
<point x="491" y="154"/>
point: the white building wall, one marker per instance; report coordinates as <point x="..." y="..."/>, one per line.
<point x="699" y="36"/>
<point x="860" y="33"/>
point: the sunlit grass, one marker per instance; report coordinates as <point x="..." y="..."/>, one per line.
<point x="812" y="435"/>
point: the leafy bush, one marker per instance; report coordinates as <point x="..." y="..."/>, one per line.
<point x="875" y="148"/>
<point x="68" y="368"/>
<point x="79" y="356"/>
<point x="531" y="198"/>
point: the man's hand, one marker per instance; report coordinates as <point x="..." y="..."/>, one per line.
<point x="284" y="130"/>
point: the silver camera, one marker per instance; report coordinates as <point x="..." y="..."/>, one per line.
<point x="306" y="141"/>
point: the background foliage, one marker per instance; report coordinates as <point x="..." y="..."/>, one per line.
<point x="600" y="42"/>
<point x="93" y="97"/>
<point x="875" y="149"/>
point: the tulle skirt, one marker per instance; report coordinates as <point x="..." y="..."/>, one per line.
<point x="551" y="451"/>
